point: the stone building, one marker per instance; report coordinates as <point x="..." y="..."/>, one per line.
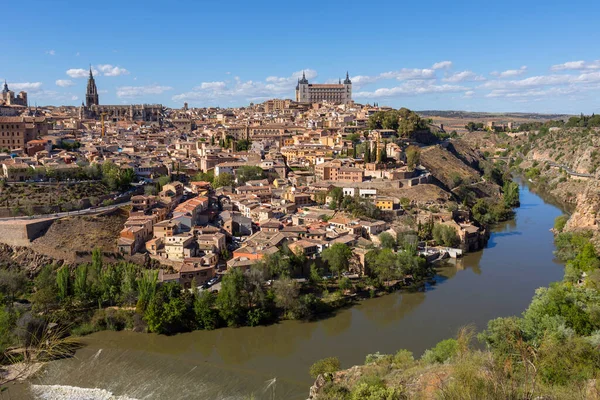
<point x="134" y="112"/>
<point x="16" y="132"/>
<point x="8" y="98"/>
<point x="340" y="93"/>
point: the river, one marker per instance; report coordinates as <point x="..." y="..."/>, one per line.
<point x="273" y="361"/>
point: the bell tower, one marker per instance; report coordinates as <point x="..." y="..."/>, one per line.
<point x="91" y="95"/>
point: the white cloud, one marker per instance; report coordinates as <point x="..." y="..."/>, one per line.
<point x="138" y="91"/>
<point x="213" y="85"/>
<point x="409" y="73"/>
<point x="468" y="94"/>
<point x="442" y="65"/>
<point x="403" y="74"/>
<point x="32" y="87"/>
<point x="411" y="88"/>
<point x="64" y="83"/>
<point x="510" y="72"/>
<point x="544" y="80"/>
<point x="51" y="52"/>
<point x="74" y="98"/>
<point x="577" y="65"/>
<point x="109" y="70"/>
<point x="80" y="72"/>
<point x="104" y="69"/>
<point x="464" y="76"/>
<point x="250" y="90"/>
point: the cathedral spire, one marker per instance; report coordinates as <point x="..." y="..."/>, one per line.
<point x="91" y="95"/>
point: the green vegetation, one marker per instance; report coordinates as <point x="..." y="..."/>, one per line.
<point x="560" y="222"/>
<point x="551" y="351"/>
<point x="243" y="145"/>
<point x="472" y="126"/>
<point x="413" y="157"/>
<point x="224" y="179"/>
<point x="325" y="366"/>
<point x="404" y="121"/>
<point x="445" y="235"/>
<point x="116" y="177"/>
<point x="510" y="192"/>
<point x="488" y="212"/>
<point x="248" y="173"/>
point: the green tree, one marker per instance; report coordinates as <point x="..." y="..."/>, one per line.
<point x="337" y="257"/>
<point x="413" y="156"/>
<point x="231" y="298"/>
<point x="224" y="179"/>
<point x="146" y="284"/>
<point x="63" y="283"/>
<point x="169" y="310"/>
<point x="204" y="310"/>
<point x="337" y="195"/>
<point x="445" y="235"/>
<point x="387" y="241"/>
<point x="511" y="194"/>
<point x="286" y="296"/>
<point x="12" y="284"/>
<point x="80" y="283"/>
<point x="44" y="296"/>
<point x="248" y="173"/>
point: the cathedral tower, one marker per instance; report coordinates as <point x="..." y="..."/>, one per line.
<point x="91" y="95"/>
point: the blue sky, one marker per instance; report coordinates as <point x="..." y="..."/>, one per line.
<point x="531" y="56"/>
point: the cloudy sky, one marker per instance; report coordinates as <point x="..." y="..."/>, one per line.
<point x="529" y="55"/>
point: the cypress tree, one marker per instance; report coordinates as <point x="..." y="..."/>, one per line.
<point x="374" y="156"/>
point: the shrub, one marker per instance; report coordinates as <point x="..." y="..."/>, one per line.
<point x="374" y="358"/>
<point x="560" y="222"/>
<point x="403" y="359"/>
<point x="442" y="352"/>
<point x="327" y="365"/>
<point x="364" y="391"/>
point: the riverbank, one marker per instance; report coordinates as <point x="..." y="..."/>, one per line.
<point x="550" y="352"/>
<point x="240" y="362"/>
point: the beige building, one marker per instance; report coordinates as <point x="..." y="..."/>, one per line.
<point x="276" y="105"/>
<point x="340" y="93"/>
<point x="8" y="98"/>
<point x="15" y="132"/>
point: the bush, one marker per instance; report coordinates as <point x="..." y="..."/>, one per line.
<point x="560" y="222"/>
<point x="374" y="358"/>
<point x="403" y="359"/>
<point x="364" y="391"/>
<point x="332" y="391"/>
<point x="442" y="352"/>
<point x="325" y="366"/>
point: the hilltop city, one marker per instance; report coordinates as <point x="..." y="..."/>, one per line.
<point x="210" y="189"/>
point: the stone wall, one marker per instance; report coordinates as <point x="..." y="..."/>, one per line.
<point x="22" y="232"/>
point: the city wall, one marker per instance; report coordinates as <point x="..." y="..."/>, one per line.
<point x="22" y="232"/>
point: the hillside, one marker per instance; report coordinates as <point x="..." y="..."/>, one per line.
<point x="89" y="231"/>
<point x="447" y="168"/>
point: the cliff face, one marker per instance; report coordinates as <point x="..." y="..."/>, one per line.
<point x="569" y="165"/>
<point x="587" y="212"/>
